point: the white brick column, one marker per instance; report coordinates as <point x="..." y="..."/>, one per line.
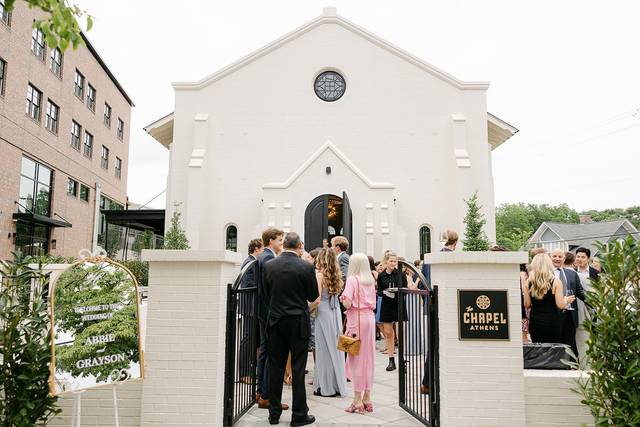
<point x="481" y="382"/>
<point x="184" y="355"/>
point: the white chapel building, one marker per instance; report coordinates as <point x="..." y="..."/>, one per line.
<point x="329" y="130"/>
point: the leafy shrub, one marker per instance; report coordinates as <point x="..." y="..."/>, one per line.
<point x="140" y="270"/>
<point x="612" y="388"/>
<point x="25" y="346"/>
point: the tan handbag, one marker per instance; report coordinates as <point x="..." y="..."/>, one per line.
<point x="351" y="345"/>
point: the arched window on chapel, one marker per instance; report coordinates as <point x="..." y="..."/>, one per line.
<point x="231" y="239"/>
<point x="425" y="240"/>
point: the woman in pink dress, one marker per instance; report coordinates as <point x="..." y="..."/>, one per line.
<point x="359" y="298"/>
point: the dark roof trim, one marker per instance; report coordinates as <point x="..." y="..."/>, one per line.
<point x="138" y="219"/>
<point x="94" y="52"/>
<point x="40" y="219"/>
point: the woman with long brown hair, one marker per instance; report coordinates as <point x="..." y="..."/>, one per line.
<point x="329" y="375"/>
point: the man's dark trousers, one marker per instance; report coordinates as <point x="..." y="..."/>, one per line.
<point x="262" y="386"/>
<point x="568" y="335"/>
<point x="288" y="335"/>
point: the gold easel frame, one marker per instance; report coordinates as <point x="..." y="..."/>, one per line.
<point x="52" y="294"/>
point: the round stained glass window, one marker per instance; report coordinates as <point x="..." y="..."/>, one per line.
<point x="329" y="86"/>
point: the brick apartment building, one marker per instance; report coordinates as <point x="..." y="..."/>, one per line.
<point x="64" y="141"/>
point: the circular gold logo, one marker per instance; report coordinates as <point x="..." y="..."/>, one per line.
<point x="483" y="302"/>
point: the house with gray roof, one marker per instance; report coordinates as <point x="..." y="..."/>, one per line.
<point x="569" y="237"/>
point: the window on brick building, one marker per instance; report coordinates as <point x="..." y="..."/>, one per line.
<point x="38" y="46"/>
<point x="120" y="130"/>
<point x="34" y="102"/>
<point x="3" y="75"/>
<point x="88" y="145"/>
<point x="53" y="115"/>
<point x="72" y="187"/>
<point x="56" y="62"/>
<point x="84" y="192"/>
<point x="76" y="131"/>
<point x="5" y="15"/>
<point x="104" y="158"/>
<point x="118" y="167"/>
<point x="78" y="85"/>
<point x="107" y="115"/>
<point x="91" y="97"/>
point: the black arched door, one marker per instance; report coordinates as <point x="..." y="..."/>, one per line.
<point x="316" y="222"/>
<point x="325" y="217"/>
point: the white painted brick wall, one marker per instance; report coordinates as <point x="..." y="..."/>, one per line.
<point x="481" y="382"/>
<point x="184" y="355"/>
<point x="550" y="400"/>
<point x="96" y="406"/>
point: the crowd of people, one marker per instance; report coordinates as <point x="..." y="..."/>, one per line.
<point x="553" y="296"/>
<point x="305" y="301"/>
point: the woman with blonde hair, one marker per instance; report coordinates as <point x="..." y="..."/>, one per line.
<point x="329" y="377"/>
<point x="359" y="298"/>
<point x="543" y="293"/>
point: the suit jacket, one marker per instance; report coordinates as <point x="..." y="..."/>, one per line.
<point x="593" y="273"/>
<point x="247" y="304"/>
<point x="571" y="281"/>
<point x="263" y="306"/>
<point x="343" y="261"/>
<point x="289" y="285"/>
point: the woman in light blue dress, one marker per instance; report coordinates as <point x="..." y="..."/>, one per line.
<point x="329" y="375"/>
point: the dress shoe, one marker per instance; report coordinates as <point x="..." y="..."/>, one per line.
<point x="424" y="389"/>
<point x="264" y="404"/>
<point x="303" y="421"/>
<point x="392" y="364"/>
<point x="274" y="420"/>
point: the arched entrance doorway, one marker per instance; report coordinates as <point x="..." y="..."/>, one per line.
<point x="325" y="217"/>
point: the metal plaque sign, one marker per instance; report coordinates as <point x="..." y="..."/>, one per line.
<point x="483" y="314"/>
<point x="95" y="326"/>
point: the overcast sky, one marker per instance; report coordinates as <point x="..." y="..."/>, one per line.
<point x="566" y="73"/>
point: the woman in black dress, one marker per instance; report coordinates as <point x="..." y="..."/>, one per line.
<point x="390" y="277"/>
<point x="543" y="293"/>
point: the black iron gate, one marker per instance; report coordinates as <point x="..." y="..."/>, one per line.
<point x="418" y="371"/>
<point x="241" y="345"/>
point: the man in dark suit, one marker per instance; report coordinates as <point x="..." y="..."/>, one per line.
<point x="247" y="310"/>
<point x="583" y="255"/>
<point x="289" y="285"/>
<point x="586" y="273"/>
<point x="570" y="282"/>
<point x="272" y="240"/>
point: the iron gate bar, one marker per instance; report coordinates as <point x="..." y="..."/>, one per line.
<point x="414" y="402"/>
<point x="239" y="396"/>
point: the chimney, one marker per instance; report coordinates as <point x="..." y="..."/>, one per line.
<point x="585" y="219"/>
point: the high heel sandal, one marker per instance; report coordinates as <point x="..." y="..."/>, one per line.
<point x="368" y="407"/>
<point x="357" y="409"/>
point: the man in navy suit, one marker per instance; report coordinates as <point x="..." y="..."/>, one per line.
<point x="272" y="239"/>
<point x="247" y="309"/>
<point x="570" y="282"/>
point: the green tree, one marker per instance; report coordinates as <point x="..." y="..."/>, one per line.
<point x="143" y="240"/>
<point x="515" y="223"/>
<point x="25" y="346"/>
<point x="176" y="238"/>
<point x="475" y="238"/>
<point x="611" y="388"/>
<point x="631" y="213"/>
<point x="60" y="27"/>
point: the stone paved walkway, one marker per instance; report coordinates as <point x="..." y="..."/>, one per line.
<point x="329" y="411"/>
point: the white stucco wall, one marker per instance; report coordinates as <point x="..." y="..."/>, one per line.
<point x="395" y="123"/>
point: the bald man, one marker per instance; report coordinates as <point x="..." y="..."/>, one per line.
<point x="571" y="282"/>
